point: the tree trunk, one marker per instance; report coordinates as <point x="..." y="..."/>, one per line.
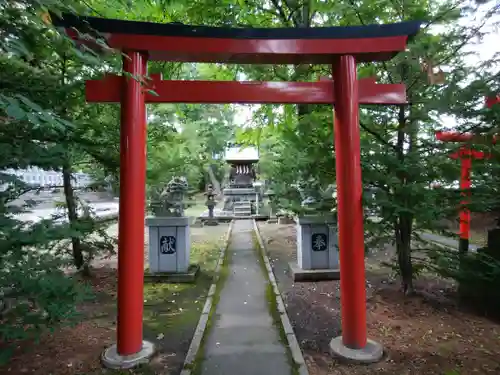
<point x="403" y="224"/>
<point x="213" y="179"/>
<point x="71" y="205"/>
<point x="403" y="241"/>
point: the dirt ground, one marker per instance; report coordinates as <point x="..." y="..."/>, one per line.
<point x="171" y="313"/>
<point x="426" y="334"/>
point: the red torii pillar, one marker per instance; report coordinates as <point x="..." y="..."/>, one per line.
<point x="466" y="155"/>
<point x="131" y="207"/>
<point x="342" y="46"/>
<point x="490" y="101"/>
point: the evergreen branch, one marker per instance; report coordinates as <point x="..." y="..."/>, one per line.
<point x="275" y="72"/>
<point x="377" y="136"/>
<point x="441" y="16"/>
<point x="92" y="8"/>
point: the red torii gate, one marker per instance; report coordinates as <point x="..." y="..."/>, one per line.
<point x="466" y="154"/>
<point x="341" y="47"/>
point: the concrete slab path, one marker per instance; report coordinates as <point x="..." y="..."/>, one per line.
<point x="426" y="236"/>
<point x="243" y="339"/>
<point x="446" y="241"/>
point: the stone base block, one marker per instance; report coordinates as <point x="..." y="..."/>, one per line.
<point x="211" y="222"/>
<point x="174" y="277"/>
<point x="298" y="274"/>
<point x="111" y="359"/>
<point x="272" y="221"/>
<point x="371" y="353"/>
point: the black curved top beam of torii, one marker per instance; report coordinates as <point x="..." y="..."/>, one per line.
<point x="187" y="43"/>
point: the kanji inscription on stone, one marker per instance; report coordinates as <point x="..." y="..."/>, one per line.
<point x="167" y="245"/>
<point x="319" y="242"/>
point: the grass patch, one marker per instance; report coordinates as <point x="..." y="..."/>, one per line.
<point x="172" y="309"/>
<point x="197" y="208"/>
<point x="272" y="304"/>
<point x="195" y="366"/>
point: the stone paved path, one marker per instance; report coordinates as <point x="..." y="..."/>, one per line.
<point x="243" y="339"/>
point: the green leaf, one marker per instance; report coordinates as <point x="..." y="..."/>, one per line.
<point x="33" y="118"/>
<point x="15" y="111"/>
<point x="17" y="47"/>
<point x="29" y="103"/>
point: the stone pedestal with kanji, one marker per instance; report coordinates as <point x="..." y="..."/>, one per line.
<point x="169" y="249"/>
<point x="317" y="249"/>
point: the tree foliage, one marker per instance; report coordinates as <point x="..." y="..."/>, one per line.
<point x="401" y="160"/>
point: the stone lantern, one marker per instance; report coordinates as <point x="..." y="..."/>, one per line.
<point x="211" y="203"/>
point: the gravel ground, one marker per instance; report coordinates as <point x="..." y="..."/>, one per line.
<point x="424" y="334"/>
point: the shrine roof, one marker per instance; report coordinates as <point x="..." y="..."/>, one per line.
<point x="241" y="155"/>
<point x="188" y="43"/>
<point x="241" y="161"/>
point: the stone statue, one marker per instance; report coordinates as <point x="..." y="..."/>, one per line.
<point x="169" y="201"/>
<point x="314" y="197"/>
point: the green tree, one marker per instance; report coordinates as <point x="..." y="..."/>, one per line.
<point x="35" y="293"/>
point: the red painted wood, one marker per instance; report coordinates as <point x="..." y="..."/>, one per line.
<point x="465" y="185"/>
<point x="108" y="90"/>
<point x="254" y="51"/>
<point x="466" y="152"/>
<point x="458" y="137"/>
<point x="349" y="205"/>
<point x="466" y="155"/>
<point x="492" y="100"/>
<point x="132" y="201"/>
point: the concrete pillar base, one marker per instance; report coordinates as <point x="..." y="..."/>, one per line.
<point x="371" y="353"/>
<point x="111" y="359"/>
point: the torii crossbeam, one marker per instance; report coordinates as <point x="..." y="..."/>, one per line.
<point x="108" y="90"/>
<point x="340" y="47"/>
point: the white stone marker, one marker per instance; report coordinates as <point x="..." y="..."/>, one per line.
<point x="169" y="244"/>
<point x="317" y="243"/>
